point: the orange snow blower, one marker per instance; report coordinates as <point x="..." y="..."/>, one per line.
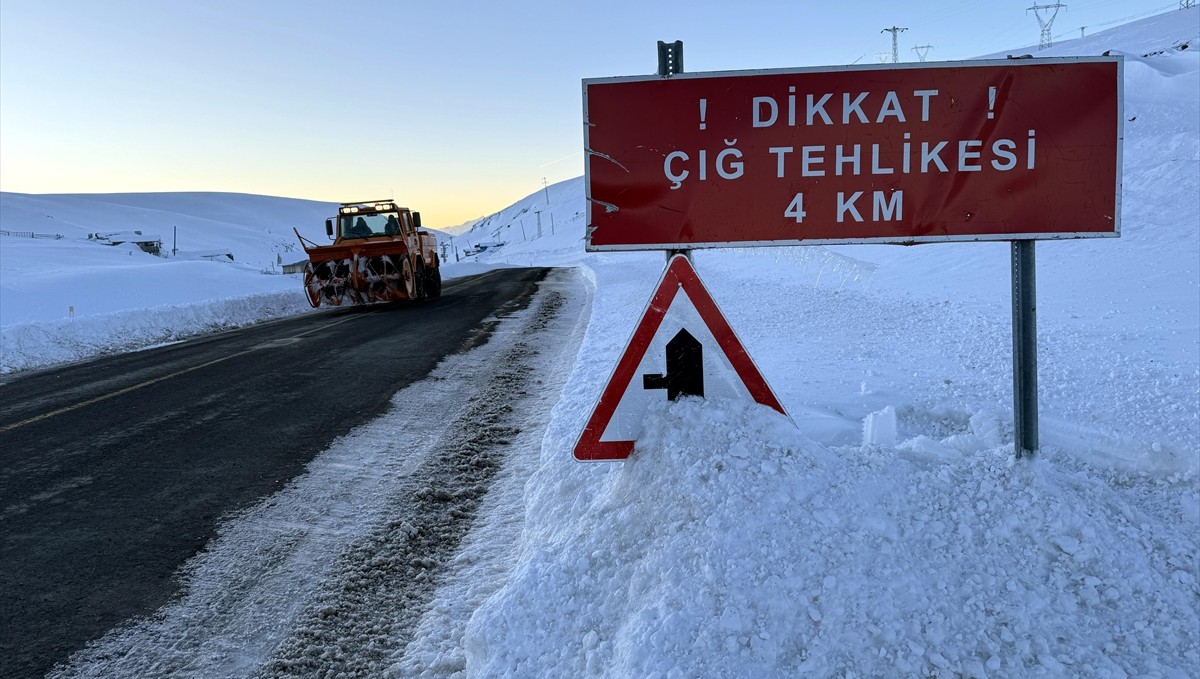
<point x="379" y="253"/>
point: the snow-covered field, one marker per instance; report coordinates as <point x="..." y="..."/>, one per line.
<point x="732" y="543"/>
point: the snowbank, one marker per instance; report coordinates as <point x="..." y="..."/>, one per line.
<point x="33" y="345"/>
<point x="732" y="545"/>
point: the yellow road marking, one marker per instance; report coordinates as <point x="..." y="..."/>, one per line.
<point x="156" y="380"/>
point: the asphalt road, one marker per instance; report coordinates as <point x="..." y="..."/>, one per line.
<point x="115" y="472"/>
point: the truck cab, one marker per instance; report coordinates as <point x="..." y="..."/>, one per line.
<point x="373" y="220"/>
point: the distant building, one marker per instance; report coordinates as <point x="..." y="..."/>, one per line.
<point x="295" y="267"/>
<point x="148" y="243"/>
<point x="481" y="247"/>
<point x="210" y="255"/>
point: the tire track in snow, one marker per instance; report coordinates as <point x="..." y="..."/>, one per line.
<point x="377" y="592"/>
<point x="331" y="574"/>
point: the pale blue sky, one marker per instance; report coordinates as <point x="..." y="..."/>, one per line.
<point x="455" y="108"/>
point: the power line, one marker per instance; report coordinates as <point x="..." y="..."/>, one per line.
<point x="1131" y="17"/>
<point x="895" y="31"/>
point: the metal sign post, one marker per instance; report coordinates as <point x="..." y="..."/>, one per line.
<point x="670" y="62"/>
<point x="1024" y="306"/>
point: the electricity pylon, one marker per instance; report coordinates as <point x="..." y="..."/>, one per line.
<point x="922" y="51"/>
<point x="895" y="31"/>
<point x="1046" y="23"/>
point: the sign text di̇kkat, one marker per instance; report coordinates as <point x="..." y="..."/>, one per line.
<point x="985" y="150"/>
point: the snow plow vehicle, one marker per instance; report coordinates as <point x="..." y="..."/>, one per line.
<point x="379" y="254"/>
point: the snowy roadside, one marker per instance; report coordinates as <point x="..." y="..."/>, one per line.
<point x="39" y="344"/>
<point x="488" y="556"/>
<point x="42" y="344"/>
<point x="732" y="544"/>
<point x="284" y="584"/>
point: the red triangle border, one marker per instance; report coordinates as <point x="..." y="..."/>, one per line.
<point x="679" y="275"/>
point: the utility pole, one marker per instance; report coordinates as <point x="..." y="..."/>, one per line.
<point x="895" y="31"/>
<point x="922" y="51"/>
<point x="546" y="188"/>
<point x="1046" y="23"/>
<point x="1081" y="30"/>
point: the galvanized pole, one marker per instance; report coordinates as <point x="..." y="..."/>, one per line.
<point x="1024" y="306"/>
<point x="670" y="62"/>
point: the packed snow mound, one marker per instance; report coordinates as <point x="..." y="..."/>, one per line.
<point x="731" y="545"/>
<point x="35" y="345"/>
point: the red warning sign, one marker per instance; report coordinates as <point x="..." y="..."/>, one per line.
<point x="683" y="346"/>
<point x="897" y="153"/>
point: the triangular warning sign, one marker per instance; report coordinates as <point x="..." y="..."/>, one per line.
<point x="682" y="346"/>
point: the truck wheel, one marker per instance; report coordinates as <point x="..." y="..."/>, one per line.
<point x="407" y="283"/>
<point x="433" y="282"/>
<point x="312" y="285"/>
<point x="419" y="291"/>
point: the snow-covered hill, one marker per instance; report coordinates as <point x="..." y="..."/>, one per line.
<point x="736" y="543"/>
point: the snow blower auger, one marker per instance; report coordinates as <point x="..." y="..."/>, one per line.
<point x="379" y="254"/>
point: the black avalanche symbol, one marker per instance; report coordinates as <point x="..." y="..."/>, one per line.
<point x="685" y="368"/>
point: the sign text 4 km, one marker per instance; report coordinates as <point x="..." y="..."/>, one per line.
<point x="985" y="150"/>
